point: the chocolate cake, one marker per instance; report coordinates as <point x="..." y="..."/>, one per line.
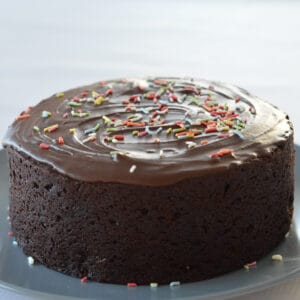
<point x="150" y="180"/>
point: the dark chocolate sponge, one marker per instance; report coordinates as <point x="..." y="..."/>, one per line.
<point x="203" y="198"/>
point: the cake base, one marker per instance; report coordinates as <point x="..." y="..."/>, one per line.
<point x="119" y="233"/>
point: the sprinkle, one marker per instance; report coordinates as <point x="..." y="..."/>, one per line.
<point x="36" y="128"/>
<point x="153" y="284"/>
<point x="15" y="243"/>
<point x="161" y="82"/>
<point x="119" y="137"/>
<point x="178" y="130"/>
<point x="99" y="100"/>
<point x="169" y="130"/>
<point x="60" y="95"/>
<point x="10" y="233"/>
<point x="46" y="114"/>
<point x="221" y="153"/>
<point x="131" y="284"/>
<point x="109" y="92"/>
<point x="156" y="140"/>
<point x="237" y="99"/>
<point x="95" y="94"/>
<point x="84" y="279"/>
<point x="23" y="116"/>
<point x="106" y="119"/>
<point x="72" y="130"/>
<point x="92" y="130"/>
<point x="132" y="168"/>
<point x="135" y="132"/>
<point x="142" y="133"/>
<point x="239" y="134"/>
<point x="210" y="129"/>
<point x="84" y="94"/>
<point x="30" y="260"/>
<point x="60" y="140"/>
<point x="249" y="265"/>
<point x="44" y="146"/>
<point x="277" y="257"/>
<point x="51" y="128"/>
<point x="204" y="142"/>
<point x="174" y="283"/>
<point x="80" y="114"/>
<point x="191" y="144"/>
<point x="223" y="135"/>
<point x="161" y="153"/>
<point x="65" y="115"/>
<point x="74" y="104"/>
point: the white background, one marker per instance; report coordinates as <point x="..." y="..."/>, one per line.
<point x="50" y="46"/>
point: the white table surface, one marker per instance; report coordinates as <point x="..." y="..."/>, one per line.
<point x="49" y="46"/>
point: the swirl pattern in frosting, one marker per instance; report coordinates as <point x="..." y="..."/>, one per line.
<point x="152" y="131"/>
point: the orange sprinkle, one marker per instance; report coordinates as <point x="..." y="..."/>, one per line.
<point x="23" y="116"/>
<point x="221" y="153"/>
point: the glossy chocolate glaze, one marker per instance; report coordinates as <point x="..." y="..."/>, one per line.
<point x="152" y="131"/>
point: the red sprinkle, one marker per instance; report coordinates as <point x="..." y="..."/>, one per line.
<point x="173" y="97"/>
<point x="161" y="82"/>
<point x="150" y="95"/>
<point x="84" y="279"/>
<point x="60" y="140"/>
<point x="84" y="94"/>
<point x="237" y="99"/>
<point x="142" y="133"/>
<point x="221" y="153"/>
<point x="119" y="137"/>
<point x="76" y="99"/>
<point x="10" y="233"/>
<point x="65" y="115"/>
<point x="252" y="264"/>
<point x="44" y="146"/>
<point x="210" y="129"/>
<point x="131" y="284"/>
<point x="109" y="92"/>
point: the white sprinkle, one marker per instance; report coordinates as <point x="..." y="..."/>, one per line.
<point x="161" y="153"/>
<point x="175" y="283"/>
<point x="190" y="144"/>
<point x="30" y="260"/>
<point x="132" y="169"/>
<point x="15" y="243"/>
<point x="153" y="285"/>
<point x="277" y="257"/>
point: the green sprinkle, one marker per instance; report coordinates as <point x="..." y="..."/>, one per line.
<point x="111" y="129"/>
<point x="80" y="115"/>
<point x="194" y="100"/>
<point x="60" y="95"/>
<point x="36" y="129"/>
<point x="74" y="104"/>
<point x="177" y="130"/>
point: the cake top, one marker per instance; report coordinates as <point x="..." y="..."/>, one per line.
<point x="152" y="131"/>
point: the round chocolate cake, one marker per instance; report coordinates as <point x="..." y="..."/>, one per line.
<point x="150" y="180"/>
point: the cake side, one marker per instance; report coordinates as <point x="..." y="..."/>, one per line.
<point x="114" y="232"/>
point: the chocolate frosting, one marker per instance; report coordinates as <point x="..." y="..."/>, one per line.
<point x="152" y="131"/>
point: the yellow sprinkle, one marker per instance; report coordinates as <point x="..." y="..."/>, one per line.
<point x="169" y="130"/>
<point x="51" y="128"/>
<point x="277" y="257"/>
<point x="135" y="132"/>
<point x="60" y="95"/>
<point x="72" y="130"/>
<point x="99" y="100"/>
<point x="153" y="284"/>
